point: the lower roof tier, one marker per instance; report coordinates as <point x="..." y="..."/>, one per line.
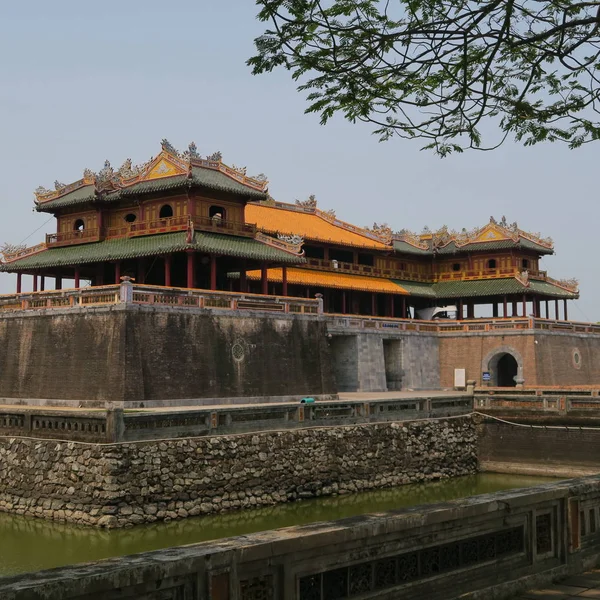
<point x="152" y="245"/>
<point x="443" y="290"/>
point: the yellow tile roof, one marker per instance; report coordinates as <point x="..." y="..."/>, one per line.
<point x="330" y="279"/>
<point x="310" y="226"/>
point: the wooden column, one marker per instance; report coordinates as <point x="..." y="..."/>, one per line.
<point x="264" y="279"/>
<point x="524" y="305"/>
<point x="547" y="310"/>
<point x="471" y="310"/>
<point x="392" y="305"/>
<point x="58" y="283"/>
<point x="42" y="283"/>
<point x="374" y="304"/>
<point x="213" y="272"/>
<point x="141" y="270"/>
<point x="461" y="310"/>
<point x="556" y="311"/>
<point x="515" y="309"/>
<point x="19" y="282"/>
<point x="243" y="280"/>
<point x="565" y="310"/>
<point x="35" y="283"/>
<point x="495" y="310"/>
<point x="117" y="272"/>
<point x="343" y="302"/>
<point x="284" y="285"/>
<point x="505" y="307"/>
<point x="77" y="278"/>
<point x="190" y="268"/>
<point x="168" y="270"/>
<point x="404" y="307"/>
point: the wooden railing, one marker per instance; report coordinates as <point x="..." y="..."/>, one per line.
<point x="67" y="238"/>
<point x="358" y="269"/>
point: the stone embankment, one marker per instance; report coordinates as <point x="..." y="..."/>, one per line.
<point x="124" y="484"/>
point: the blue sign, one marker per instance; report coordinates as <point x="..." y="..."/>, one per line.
<point x="486" y="376"/>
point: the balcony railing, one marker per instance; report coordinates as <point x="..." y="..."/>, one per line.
<point x="358" y="269"/>
<point x="77" y="236"/>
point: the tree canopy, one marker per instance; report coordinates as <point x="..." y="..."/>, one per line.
<point x="456" y="73"/>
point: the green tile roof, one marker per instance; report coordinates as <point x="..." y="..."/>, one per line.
<point x="150" y="245"/>
<point x="497" y="287"/>
<point x="451" y="248"/>
<point x="417" y="288"/>
<point x="201" y="177"/>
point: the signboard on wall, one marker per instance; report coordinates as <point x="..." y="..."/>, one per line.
<point x="460" y="378"/>
<point x="486" y="376"/>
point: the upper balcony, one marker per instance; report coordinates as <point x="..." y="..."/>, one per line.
<point x="134" y="229"/>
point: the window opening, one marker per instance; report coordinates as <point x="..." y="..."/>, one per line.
<point x="525" y="263"/>
<point x="166" y="212"/>
<point x="456" y="267"/>
<point x="216" y="213"/>
<point x="130" y="218"/>
<point x="492" y="263"/>
<point x="79" y="225"/>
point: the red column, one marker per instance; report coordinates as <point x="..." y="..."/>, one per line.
<point x="35" y="283"/>
<point x="565" y="310"/>
<point x="213" y="272"/>
<point x="515" y="309"/>
<point x="243" y="280"/>
<point x="404" y="307"/>
<point x="461" y="310"/>
<point x="284" y="285"/>
<point x="168" y="270"/>
<point x="556" y="310"/>
<point x="42" y="283"/>
<point x="374" y="304"/>
<point x="58" y="284"/>
<point x="547" y="310"/>
<point x="141" y="271"/>
<point x="392" y="306"/>
<point x="471" y="310"/>
<point x="18" y="283"/>
<point x="495" y="310"/>
<point x="344" y="302"/>
<point x="505" y="308"/>
<point x="190" y="268"/>
<point x="77" y="278"/>
<point x="524" y="305"/>
<point x="264" y="281"/>
<point x="117" y="272"/>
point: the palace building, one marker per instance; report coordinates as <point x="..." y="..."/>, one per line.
<point x="183" y="221"/>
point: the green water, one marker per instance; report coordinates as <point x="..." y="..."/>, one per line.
<point x="28" y="544"/>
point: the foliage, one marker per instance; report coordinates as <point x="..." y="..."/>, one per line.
<point x="440" y="69"/>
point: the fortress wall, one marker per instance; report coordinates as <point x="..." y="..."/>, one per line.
<point x="136" y="353"/>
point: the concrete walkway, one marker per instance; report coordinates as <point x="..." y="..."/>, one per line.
<point x="586" y="585"/>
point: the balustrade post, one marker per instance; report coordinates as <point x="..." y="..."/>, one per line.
<point x="319" y="298"/>
<point x="126" y="291"/>
<point x="19" y="283"/>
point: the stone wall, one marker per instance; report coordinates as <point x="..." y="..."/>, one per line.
<point x="146" y="354"/>
<point x="129" y="483"/>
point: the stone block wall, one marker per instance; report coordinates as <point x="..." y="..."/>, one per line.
<point x="144" y="354"/>
<point x="130" y="483"/>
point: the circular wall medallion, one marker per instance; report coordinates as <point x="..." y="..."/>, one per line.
<point x="576" y="358"/>
<point x="238" y="351"/>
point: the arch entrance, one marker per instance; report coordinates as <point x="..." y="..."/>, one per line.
<point x="505" y="366"/>
<point x="506" y="371"/>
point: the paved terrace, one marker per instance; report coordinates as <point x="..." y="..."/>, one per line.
<point x="235" y="301"/>
<point x="586" y="585"/>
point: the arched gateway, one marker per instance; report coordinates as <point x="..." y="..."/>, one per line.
<point x="505" y="366"/>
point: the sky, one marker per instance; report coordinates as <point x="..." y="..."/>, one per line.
<point x="82" y="82"/>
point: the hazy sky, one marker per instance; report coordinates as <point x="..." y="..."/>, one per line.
<point x="81" y="82"/>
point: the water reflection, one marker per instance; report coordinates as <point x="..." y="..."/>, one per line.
<point x="33" y="544"/>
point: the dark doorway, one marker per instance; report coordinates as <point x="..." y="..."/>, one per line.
<point x="507" y="371"/>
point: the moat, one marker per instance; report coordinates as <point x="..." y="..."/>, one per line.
<point x="28" y="544"/>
